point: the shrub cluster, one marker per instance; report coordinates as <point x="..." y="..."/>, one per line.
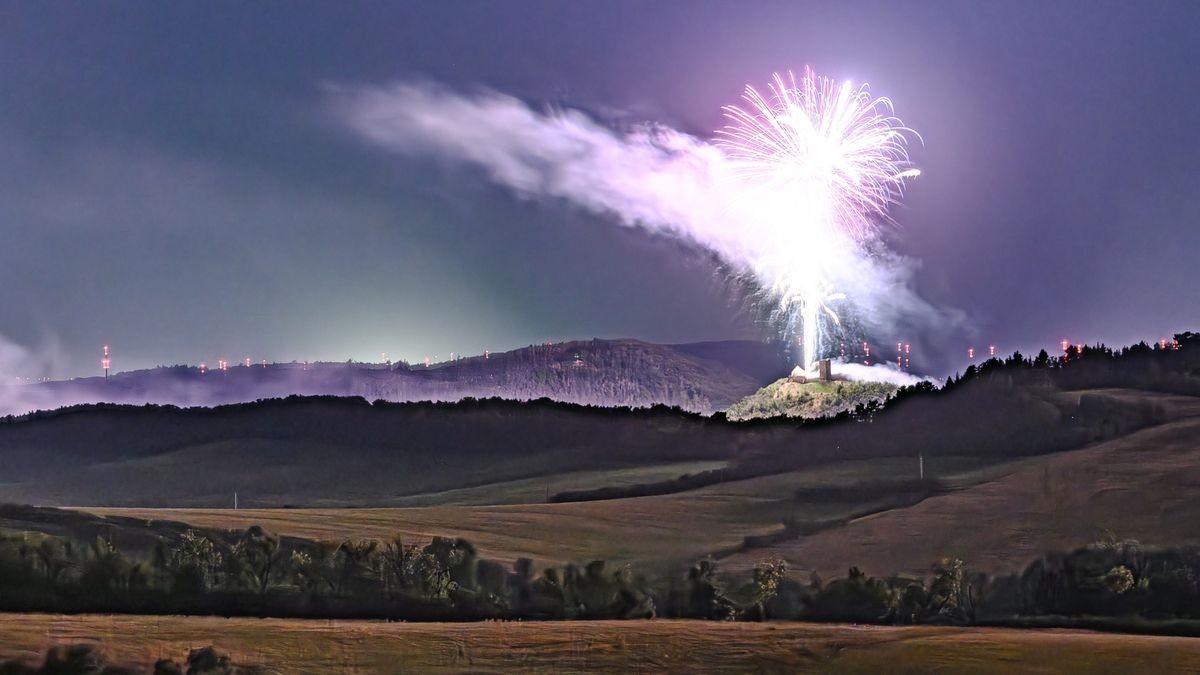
<point x="256" y="573"/>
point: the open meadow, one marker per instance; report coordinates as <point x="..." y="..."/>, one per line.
<point x="659" y="533"/>
<point x="1135" y="487"/>
<point x="313" y="646"/>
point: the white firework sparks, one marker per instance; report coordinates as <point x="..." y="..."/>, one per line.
<point x="822" y="162"/>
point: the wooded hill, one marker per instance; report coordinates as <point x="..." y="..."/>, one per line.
<point x="701" y="377"/>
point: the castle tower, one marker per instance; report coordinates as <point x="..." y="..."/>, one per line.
<point x="825" y="370"/>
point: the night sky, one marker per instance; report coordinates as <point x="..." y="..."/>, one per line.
<point x="175" y="182"/>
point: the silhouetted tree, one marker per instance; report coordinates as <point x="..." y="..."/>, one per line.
<point x="263" y="555"/>
<point x="766" y="579"/>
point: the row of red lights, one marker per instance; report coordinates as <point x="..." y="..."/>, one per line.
<point x="903" y="350"/>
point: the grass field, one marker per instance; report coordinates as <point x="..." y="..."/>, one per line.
<point x="659" y="533"/>
<point x="538" y="490"/>
<point x="278" y="473"/>
<point x="667" y="530"/>
<point x="300" y="646"/>
<point x="1139" y="486"/>
<point x="998" y="518"/>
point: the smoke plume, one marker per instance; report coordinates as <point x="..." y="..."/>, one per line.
<point x="20" y="368"/>
<point x="879" y="372"/>
<point x="652" y="177"/>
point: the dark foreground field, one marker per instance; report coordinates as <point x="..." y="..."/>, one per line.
<point x="300" y="646"/>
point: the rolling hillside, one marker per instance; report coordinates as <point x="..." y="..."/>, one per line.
<point x="328" y="451"/>
<point x="1142" y="486"/>
<point x="996" y="514"/>
<point x="1015" y="463"/>
<point x="335" y="451"/>
<point x="659" y="534"/>
<point x="324" y="451"/>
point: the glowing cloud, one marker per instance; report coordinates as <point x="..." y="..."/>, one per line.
<point x="789" y="196"/>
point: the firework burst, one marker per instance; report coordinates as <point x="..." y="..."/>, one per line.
<point x="822" y="161"/>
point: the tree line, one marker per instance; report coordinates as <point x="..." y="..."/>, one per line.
<point x="255" y="573"/>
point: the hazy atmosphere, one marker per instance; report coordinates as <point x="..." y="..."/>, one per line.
<point x="186" y="183"/>
<point x="585" y="337"/>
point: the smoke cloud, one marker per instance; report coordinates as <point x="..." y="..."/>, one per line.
<point x="652" y="177"/>
<point x="879" y="372"/>
<point x="21" y="367"/>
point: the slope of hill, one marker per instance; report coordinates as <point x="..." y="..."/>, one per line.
<point x="808" y="399"/>
<point x="1142" y="486"/>
<point x="659" y="534"/>
<point x="996" y="514"/>
<point x="347" y="452"/>
<point x="1017" y="466"/>
<point x="338" y="451"/>
<point x="702" y="377"/>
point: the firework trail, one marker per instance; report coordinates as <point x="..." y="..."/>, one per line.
<point x="822" y="161"/>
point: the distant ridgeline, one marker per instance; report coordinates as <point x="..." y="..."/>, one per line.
<point x="346" y="451"/>
<point x="702" y="377"/>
